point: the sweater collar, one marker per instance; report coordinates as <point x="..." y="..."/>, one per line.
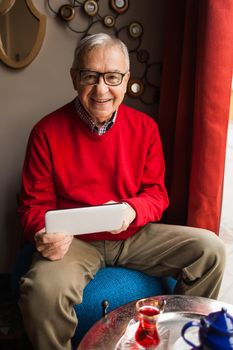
<point x="87" y="120"/>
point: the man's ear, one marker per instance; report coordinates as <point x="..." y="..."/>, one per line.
<point x="127" y="76"/>
<point x="73" y="74"/>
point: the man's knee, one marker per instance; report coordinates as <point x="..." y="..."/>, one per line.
<point x="212" y="244"/>
<point x="211" y="250"/>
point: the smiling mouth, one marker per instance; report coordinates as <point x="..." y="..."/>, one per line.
<point x="101" y="101"/>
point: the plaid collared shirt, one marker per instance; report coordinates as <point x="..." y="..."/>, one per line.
<point x="84" y="116"/>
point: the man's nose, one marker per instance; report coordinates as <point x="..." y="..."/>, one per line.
<point x="101" y="86"/>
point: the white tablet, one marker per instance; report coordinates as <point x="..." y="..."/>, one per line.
<point x="77" y="221"/>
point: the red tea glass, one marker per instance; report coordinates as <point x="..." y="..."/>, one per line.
<point x="148" y="311"/>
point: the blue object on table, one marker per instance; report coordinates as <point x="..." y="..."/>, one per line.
<point x="117" y="285"/>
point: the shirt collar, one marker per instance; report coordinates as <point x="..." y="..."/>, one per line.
<point x="85" y="117"/>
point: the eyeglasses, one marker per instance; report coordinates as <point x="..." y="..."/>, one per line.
<point x="89" y="77"/>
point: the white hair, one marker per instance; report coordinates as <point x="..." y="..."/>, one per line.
<point x="90" y="42"/>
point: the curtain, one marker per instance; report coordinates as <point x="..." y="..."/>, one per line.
<point x="194" y="108"/>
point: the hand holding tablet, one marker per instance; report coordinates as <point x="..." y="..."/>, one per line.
<point x="77" y="221"/>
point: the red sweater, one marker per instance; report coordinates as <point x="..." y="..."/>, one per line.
<point x="66" y="165"/>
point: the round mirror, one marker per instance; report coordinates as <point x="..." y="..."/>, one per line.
<point x="22" y="30"/>
<point x="119" y="6"/>
<point x="135" y="88"/>
<point x="109" y="21"/>
<point x="135" y="30"/>
<point x="66" y="12"/>
<point x="91" y="7"/>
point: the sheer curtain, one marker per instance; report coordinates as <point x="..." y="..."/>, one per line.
<point x="194" y="108"/>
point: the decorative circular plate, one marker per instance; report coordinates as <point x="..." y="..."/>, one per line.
<point x="91" y="7"/>
<point x="66" y="12"/>
<point x="135" y="29"/>
<point x="109" y="21"/>
<point x="135" y="88"/>
<point x="119" y="6"/>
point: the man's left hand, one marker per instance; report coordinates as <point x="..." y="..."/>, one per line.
<point x="129" y="217"/>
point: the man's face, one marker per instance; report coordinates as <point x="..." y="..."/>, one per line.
<point x="101" y="100"/>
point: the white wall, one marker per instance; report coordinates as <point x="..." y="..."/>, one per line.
<point x="28" y="94"/>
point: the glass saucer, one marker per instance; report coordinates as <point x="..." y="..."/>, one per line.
<point x="191" y="335"/>
<point x="127" y="341"/>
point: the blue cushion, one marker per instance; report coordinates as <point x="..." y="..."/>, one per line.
<point x="117" y="285"/>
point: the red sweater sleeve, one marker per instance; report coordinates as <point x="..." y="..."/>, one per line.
<point x="37" y="192"/>
<point x="152" y="198"/>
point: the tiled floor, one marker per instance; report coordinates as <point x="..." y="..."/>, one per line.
<point x="226" y="230"/>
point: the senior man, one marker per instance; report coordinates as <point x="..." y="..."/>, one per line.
<point x="94" y="150"/>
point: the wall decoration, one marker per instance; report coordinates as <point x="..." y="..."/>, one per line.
<point x="135" y="30"/>
<point x="91" y="7"/>
<point x="66" y="12"/>
<point x="90" y="11"/>
<point x="109" y="21"/>
<point x="120" y="6"/>
<point x="22" y="32"/>
<point x="135" y="88"/>
<point x="5" y="6"/>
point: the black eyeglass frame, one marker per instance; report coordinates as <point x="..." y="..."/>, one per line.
<point x="98" y="75"/>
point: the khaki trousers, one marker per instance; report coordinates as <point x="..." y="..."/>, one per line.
<point x="195" y="257"/>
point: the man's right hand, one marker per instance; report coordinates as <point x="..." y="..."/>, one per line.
<point x="52" y="246"/>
